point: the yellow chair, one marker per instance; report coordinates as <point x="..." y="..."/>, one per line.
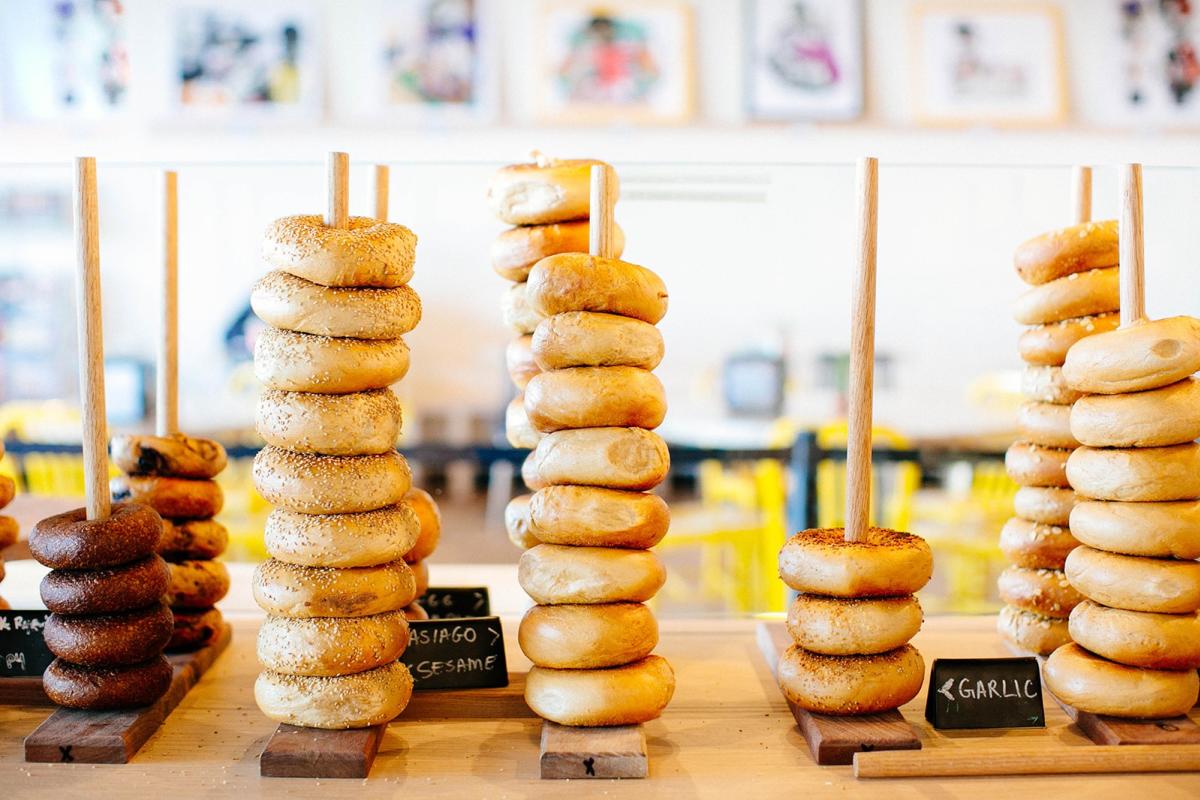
<point x="899" y="481"/>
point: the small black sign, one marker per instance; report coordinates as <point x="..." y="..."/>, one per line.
<point x="23" y="651"/>
<point x="460" y="653"/>
<point x="456" y="601"/>
<point x="985" y="693"/>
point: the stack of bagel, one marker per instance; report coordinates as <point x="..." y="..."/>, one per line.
<point x="174" y="476"/>
<point x="1137" y="634"/>
<point x="337" y="584"/>
<point x="9" y="529"/>
<point x="593" y="404"/>
<point x="429" y="532"/>
<point x="1074" y="294"/>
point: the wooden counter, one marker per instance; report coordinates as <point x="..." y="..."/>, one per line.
<point x="727" y="734"/>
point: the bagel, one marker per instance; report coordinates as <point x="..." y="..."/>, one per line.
<point x="1153" y="418"/>
<point x="10" y="531"/>
<point x="1046" y="425"/>
<point x="197" y="584"/>
<point x="8" y="488"/>
<point x="518" y="524"/>
<point x="192" y="539"/>
<point x="1030" y="632"/>
<point x="1145" y="355"/>
<point x="519" y="360"/>
<point x="591" y="516"/>
<point x="550" y="190"/>
<point x="363" y="539"/>
<point x="313" y="484"/>
<point x="1145" y="474"/>
<point x="335" y="702"/>
<point x="1047" y="345"/>
<point x="1032" y="465"/>
<point x="287" y="590"/>
<point x="590" y="339"/>
<point x="109" y="640"/>
<point x="367" y="252"/>
<point x="108" y="590"/>
<point x="517" y="430"/>
<point x="1135" y="583"/>
<point x="1138" y="638"/>
<point x="579" y="282"/>
<point x="284" y="301"/>
<point x="587" y="636"/>
<point x="1045" y="505"/>
<point x="415" y="612"/>
<point x="1080" y="294"/>
<point x="178" y="498"/>
<point x="516" y="250"/>
<point x="1035" y="546"/>
<point x="1063" y="252"/>
<point x="1045" y="592"/>
<point x="1047" y="385"/>
<point x="886" y="563"/>
<point x="529" y="473"/>
<point x="625" y="695"/>
<point x="613" y="458"/>
<point x="1090" y="683"/>
<point x="301" y="362"/>
<point x="518" y="313"/>
<point x="106" y="688"/>
<point x="72" y="541"/>
<point x="862" y="626"/>
<point x="1161" y="530"/>
<point x="194" y="628"/>
<point x="430" y="519"/>
<point x="595" y="397"/>
<point x="420" y="571"/>
<point x="850" y="685"/>
<point x="556" y="574"/>
<point x="326" y="646"/>
<point x="359" y="423"/>
<point x="174" y="456"/>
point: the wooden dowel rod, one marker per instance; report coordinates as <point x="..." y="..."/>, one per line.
<point x="381" y="192"/>
<point x="339" y="190"/>
<point x="167" y="406"/>
<point x="600" y="222"/>
<point x="1132" y="246"/>
<point x="1081" y="194"/>
<point x="91" y="340"/>
<point x="862" y="358"/>
<point x="952" y="762"/>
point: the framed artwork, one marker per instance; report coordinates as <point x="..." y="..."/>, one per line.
<point x="615" y="61"/>
<point x="235" y="59"/>
<point x="1150" y="73"/>
<point x="62" y="59"/>
<point x="804" y="59"/>
<point x="988" y="63"/>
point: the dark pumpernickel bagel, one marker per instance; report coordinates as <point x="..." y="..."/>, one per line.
<point x="195" y="629"/>
<point x="108" y="590"/>
<point x="72" y="541"/>
<point x="101" y="688"/>
<point x="110" y="639"/>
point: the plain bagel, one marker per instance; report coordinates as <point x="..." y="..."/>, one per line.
<point x="1049" y="506"/>
<point x="548" y="190"/>
<point x="367" y="252"/>
<point x="556" y="574"/>
<point x="1162" y="530"/>
<point x="1138" y="638"/>
<point x="516" y="250"/>
<point x="1047" y="345"/>
<point x="1046" y="424"/>
<point x="517" y="311"/>
<point x="625" y="695"/>
<point x="1144" y="474"/>
<point x="851" y="685"/>
<point x="1135" y="583"/>
<point x="362" y="539"/>
<point x="1145" y="355"/>
<point x="1088" y="682"/>
<point x="518" y="524"/>
<point x="613" y="458"/>
<point x="580" y="282"/>
<point x="518" y="358"/>
<point x="594" y="516"/>
<point x="313" y="484"/>
<point x="335" y="702"/>
<point x="1063" y="252"/>
<point x="595" y="397"/>
<point x="587" y="636"/>
<point x="517" y="429"/>
<point x="1029" y="464"/>
<point x="284" y="301"/>
<point x="287" y="590"/>
<point x="1080" y="294"/>
<point x="860" y="626"/>
<point x="886" y="564"/>
<point x="358" y="423"/>
<point x="591" y="339"/>
<point x="1153" y="418"/>
<point x="301" y="362"/>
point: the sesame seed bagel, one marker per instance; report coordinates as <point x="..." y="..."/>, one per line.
<point x="850" y="685"/>
<point x="174" y="456"/>
<point x="1063" y="252"/>
<point x="580" y="282"/>
<point x="358" y="423"/>
<point x="1045" y="592"/>
<point x="1046" y="505"/>
<point x="1036" y="546"/>
<point x="1080" y="294"/>
<point x="613" y="458"/>
<point x="519" y="314"/>
<point x="331" y="645"/>
<point x="197" y="584"/>
<point x="360" y="539"/>
<point x="367" y="252"/>
<point x="1047" y="385"/>
<point x="886" y="564"/>
<point x="556" y="574"/>
<point x="1162" y="530"/>
<point x="518" y="524"/>
<point x="625" y="695"/>
<point x="590" y="515"/>
<point x="517" y="429"/>
<point x="1033" y="465"/>
<point x="313" y="484"/>
<point x="595" y="397"/>
<point x="301" y="362"/>
<point x="1135" y="583"/>
<point x="284" y="301"/>
<point x="1047" y="345"/>
<point x="108" y="590"/>
<point x="590" y="339"/>
<point x="1087" y="682"/>
<point x="587" y="636"/>
<point x="516" y="250"/>
<point x="1144" y="474"/>
<point x="185" y="539"/>
<point x="1046" y="425"/>
<point x="287" y="590"/>
<point x="519" y="360"/>
<point x="842" y="626"/>
<point x="104" y="688"/>
<point x="429" y="517"/>
<point x="1145" y="355"/>
<point x="1030" y="632"/>
<point x="549" y="190"/>
<point x="335" y="702"/>
<point x="1138" y="638"/>
<point x="72" y="541"/>
<point x="1153" y="418"/>
<point x="170" y="497"/>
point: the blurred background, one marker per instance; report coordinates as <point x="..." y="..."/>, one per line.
<point x="732" y="125"/>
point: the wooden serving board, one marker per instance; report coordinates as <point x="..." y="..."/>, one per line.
<point x="114" y="737"/>
<point x="23" y="692"/>
<point x="294" y="752"/>
<point x="616" y="752"/>
<point x="834" y="740"/>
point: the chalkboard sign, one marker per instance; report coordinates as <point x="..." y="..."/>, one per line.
<point x="456" y="601"/>
<point x="985" y="693"/>
<point x="462" y="653"/>
<point x="23" y="651"/>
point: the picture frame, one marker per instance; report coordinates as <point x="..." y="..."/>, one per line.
<point x="988" y="63"/>
<point x="803" y="60"/>
<point x="615" y="61"/>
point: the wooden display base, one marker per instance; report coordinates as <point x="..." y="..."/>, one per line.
<point x="113" y="737"/>
<point x="616" y="752"/>
<point x="835" y="740"/>
<point x="294" y="752"/>
<point x="23" y="692"/>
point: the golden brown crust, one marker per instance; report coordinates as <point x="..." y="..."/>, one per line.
<point x="590" y="339"/>
<point x="550" y="190"/>
<point x="590" y="515"/>
<point x="108" y="590"/>
<point x="197" y="584"/>
<point x="1138" y="638"/>
<point x="579" y="282"/>
<point x="10" y="531"/>
<point x="301" y="362"/>
<point x="1046" y="424"/>
<point x="1144" y="474"/>
<point x="311" y="484"/>
<point x="1080" y="294"/>
<point x="1047" y="385"/>
<point x="518" y="358"/>
<point x="1163" y="530"/>
<point x="325" y="646"/>
<point x="8" y="488"/>
<point x="104" y="688"/>
<point x="192" y="539"/>
<point x="613" y="458"/>
<point x="853" y="626"/>
<point x="284" y="301"/>
<point x="335" y="702"/>
<point x="367" y="252"/>
<point x="595" y="397"/>
<point x="1047" y="505"/>
<point x="430" y="520"/>
<point x="1153" y="418"/>
<point x="518" y="524"/>
<point x="587" y="636"/>
<point x="517" y="429"/>
<point x="1031" y="465"/>
<point x="177" y="498"/>
<point x="94" y="640"/>
<point x="1045" y="592"/>
<point x="1047" y="345"/>
<point x="1087" y="682"/>
<point x="886" y="563"/>
<point x="362" y="539"/>
<point x="518" y="313"/>
<point x="851" y="685"/>
<point x="1066" y="251"/>
<point x="1034" y="546"/>
<point x="625" y="695"/>
<point x="1160" y="585"/>
<point x="1030" y="632"/>
<point x="287" y="590"/>
<point x="516" y="250"/>
<point x="557" y="574"/>
<point x="1146" y="355"/>
<point x="358" y="423"/>
<point x="174" y="456"/>
<point x="71" y="541"/>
